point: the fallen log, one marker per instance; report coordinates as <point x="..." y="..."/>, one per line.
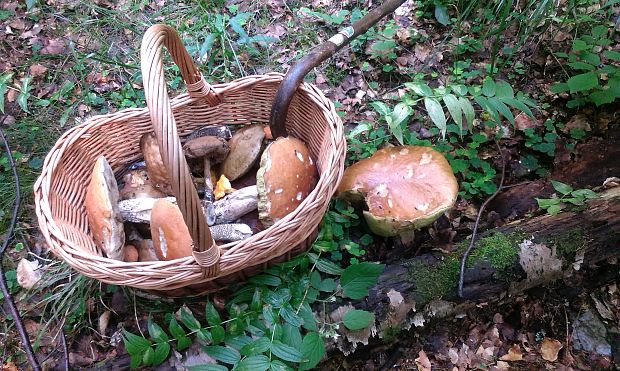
<point x="506" y="261"/>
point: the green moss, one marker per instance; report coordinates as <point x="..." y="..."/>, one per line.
<point x="390" y="333"/>
<point x="433" y="282"/>
<point x="499" y="250"/>
<point x="568" y="244"/>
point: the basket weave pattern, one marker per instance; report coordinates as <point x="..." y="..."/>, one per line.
<point x="61" y="188"/>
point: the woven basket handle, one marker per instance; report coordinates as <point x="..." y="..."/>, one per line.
<point x="206" y="252"/>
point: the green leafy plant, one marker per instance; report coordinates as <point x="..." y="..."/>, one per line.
<point x="567" y="197"/>
<point x="268" y="323"/>
<point x="595" y="76"/>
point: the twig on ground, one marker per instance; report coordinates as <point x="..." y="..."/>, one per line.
<point x="472" y="242"/>
<point x="8" y="298"/>
<point x="63" y="343"/>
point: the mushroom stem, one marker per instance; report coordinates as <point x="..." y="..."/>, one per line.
<point x="230" y="232"/>
<point x="207" y="179"/>
<point x="138" y="210"/>
<point x="235" y="205"/>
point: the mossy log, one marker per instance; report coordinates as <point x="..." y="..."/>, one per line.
<point x="506" y="261"/>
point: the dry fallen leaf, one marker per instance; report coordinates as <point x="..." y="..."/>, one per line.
<point x="523" y="121"/>
<point x="55" y="46"/>
<point x="514" y="354"/>
<point x="423" y="363"/>
<point x="37" y="70"/>
<point x="28" y="273"/>
<point x="549" y="349"/>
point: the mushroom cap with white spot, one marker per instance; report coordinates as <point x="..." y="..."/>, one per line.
<point x="404" y="188"/>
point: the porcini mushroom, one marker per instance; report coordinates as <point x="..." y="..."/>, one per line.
<point x="154" y="163"/>
<point x="404" y="188"/>
<point x="171" y="237"/>
<point x="213" y="150"/>
<point x="245" y="149"/>
<point x="104" y="218"/>
<point x="286" y="176"/>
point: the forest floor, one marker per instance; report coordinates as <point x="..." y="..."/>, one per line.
<point x="64" y="61"/>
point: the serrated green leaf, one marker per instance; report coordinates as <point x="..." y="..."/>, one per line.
<point x="582" y="66"/>
<point x="502" y="108"/>
<point x="612" y="54"/>
<point x="291" y="335"/>
<point x="601" y="97"/>
<point x="358" y="278"/>
<point x="312" y="350"/>
<point x="328" y="285"/>
<point x="357" y="319"/>
<point x="156" y="332"/>
<point x="265" y="279"/>
<point x="162" y="350"/>
<point x="306" y="313"/>
<point x="212" y="315"/>
<point x="454" y="107"/>
<point x="580" y="45"/>
<point x="223" y="354"/>
<point x="268" y="315"/>
<point x="278" y="298"/>
<point x="489" y="87"/>
<point x="561" y="187"/>
<point x="258" y="346"/>
<point x="583" y="82"/>
<point x="381" y="108"/>
<point x="419" y="88"/>
<point x="285" y="352"/>
<point x="253" y="363"/>
<point x="468" y="111"/>
<point x="134" y="344"/>
<point x="218" y="333"/>
<point x="435" y="112"/>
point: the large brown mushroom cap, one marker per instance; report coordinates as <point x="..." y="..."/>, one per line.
<point x="171" y="237"/>
<point x="405" y="188"/>
<point x="104" y="217"/>
<point x="286" y="176"/>
<point x="245" y="149"/>
<point x="154" y="163"/>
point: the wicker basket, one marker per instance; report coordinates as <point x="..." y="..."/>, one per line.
<point x="61" y="188"/>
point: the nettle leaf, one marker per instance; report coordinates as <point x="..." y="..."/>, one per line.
<point x="435" y="112"/>
<point x="328" y="285"/>
<point x="277" y="365"/>
<point x="357" y="319"/>
<point x="134" y="344"/>
<point x="285" y="352"/>
<point x="419" y="88"/>
<point x="454" y="107"/>
<point x="207" y="367"/>
<point x="223" y="354"/>
<point x="278" y="298"/>
<point x="253" y="363"/>
<point x="161" y="353"/>
<point x="561" y="187"/>
<point x="325" y="266"/>
<point x="583" y="82"/>
<point x="312" y="350"/>
<point x="489" y="87"/>
<point x="288" y="314"/>
<point x="309" y="319"/>
<point x="265" y="279"/>
<point x="357" y="279"/>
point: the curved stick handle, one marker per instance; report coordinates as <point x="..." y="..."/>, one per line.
<point x="206" y="252"/>
<point x="318" y="54"/>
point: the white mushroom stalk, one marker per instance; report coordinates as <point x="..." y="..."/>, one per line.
<point x="235" y="205"/>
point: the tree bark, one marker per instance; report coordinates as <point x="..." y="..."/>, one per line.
<point x="506" y="261"/>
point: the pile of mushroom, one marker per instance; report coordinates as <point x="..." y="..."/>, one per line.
<point x="401" y="188"/>
<point x="139" y="220"/>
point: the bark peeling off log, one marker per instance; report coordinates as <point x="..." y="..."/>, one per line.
<point x="505" y="262"/>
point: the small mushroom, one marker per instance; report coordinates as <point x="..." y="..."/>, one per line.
<point x="235" y="205"/>
<point x="286" y="176"/>
<point x="154" y="164"/>
<point x="136" y="184"/>
<point x="213" y="150"/>
<point x="146" y="251"/>
<point x="104" y="218"/>
<point x="404" y="188"/>
<point x="131" y="253"/>
<point x="171" y="237"/>
<point x="245" y="149"/>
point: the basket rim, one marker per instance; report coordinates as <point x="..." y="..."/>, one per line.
<point x="232" y="253"/>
